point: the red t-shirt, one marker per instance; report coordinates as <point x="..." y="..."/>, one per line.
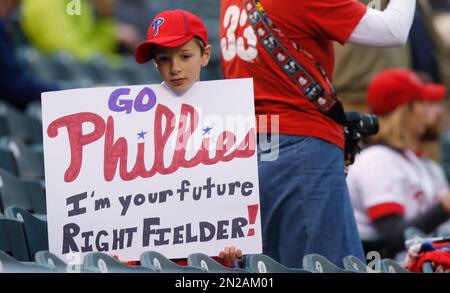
<point x="313" y="24"/>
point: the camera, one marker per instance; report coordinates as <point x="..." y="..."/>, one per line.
<point x="358" y="126"/>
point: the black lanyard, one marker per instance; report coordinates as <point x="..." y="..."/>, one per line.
<point x="273" y="41"/>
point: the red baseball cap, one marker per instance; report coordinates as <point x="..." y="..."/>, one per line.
<point x="171" y="28"/>
<point x="395" y="87"/>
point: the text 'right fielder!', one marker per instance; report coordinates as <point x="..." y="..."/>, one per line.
<point x="286" y="46"/>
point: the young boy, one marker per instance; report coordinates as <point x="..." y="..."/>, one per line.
<point x="178" y="44"/>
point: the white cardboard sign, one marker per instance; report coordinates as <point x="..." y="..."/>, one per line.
<point x="137" y="168"/>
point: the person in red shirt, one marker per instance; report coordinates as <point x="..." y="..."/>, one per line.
<point x="305" y="206"/>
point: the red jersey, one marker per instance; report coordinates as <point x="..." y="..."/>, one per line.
<point x="312" y="24"/>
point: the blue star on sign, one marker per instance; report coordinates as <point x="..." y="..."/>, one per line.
<point x="206" y="130"/>
<point x="142" y="134"/>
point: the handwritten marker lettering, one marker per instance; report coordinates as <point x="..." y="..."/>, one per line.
<point x="118" y="104"/>
<point x="116" y="149"/>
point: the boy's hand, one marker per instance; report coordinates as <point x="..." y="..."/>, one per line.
<point x="230" y="253"/>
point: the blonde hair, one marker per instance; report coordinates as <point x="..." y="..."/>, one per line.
<point x="393" y="130"/>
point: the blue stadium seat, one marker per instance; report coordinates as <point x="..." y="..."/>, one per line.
<point x="212" y="72"/>
<point x="51" y="261"/>
<point x="101" y="73"/>
<point x="391" y="266"/>
<point x="18" y="125"/>
<point x="65" y="68"/>
<point x="137" y="74"/>
<point x="156" y="261"/>
<point x="443" y="230"/>
<point x="8" y="162"/>
<point x="12" y="239"/>
<point x="36" y="192"/>
<point x="317" y="263"/>
<point x="34" y="110"/>
<point x="36" y="230"/>
<point x="428" y="267"/>
<point x="354" y="264"/>
<point x="260" y="263"/>
<point x="10" y="265"/>
<point x="14" y="192"/>
<point x="202" y="261"/>
<point x="413" y="232"/>
<point x="29" y="164"/>
<point x="35" y="63"/>
<point x="202" y="8"/>
<point x="102" y="263"/>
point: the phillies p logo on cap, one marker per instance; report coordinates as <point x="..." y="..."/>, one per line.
<point x="156" y="24"/>
<point x="180" y="26"/>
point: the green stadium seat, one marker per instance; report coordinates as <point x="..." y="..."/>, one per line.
<point x="260" y="263"/>
<point x="317" y="263"/>
<point x="158" y="262"/>
<point x="36" y="230"/>
<point x="202" y="261"/>
<point x="102" y="263"/>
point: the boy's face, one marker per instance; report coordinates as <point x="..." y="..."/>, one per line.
<point x="180" y="66"/>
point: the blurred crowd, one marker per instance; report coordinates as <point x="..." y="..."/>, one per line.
<point x="84" y="43"/>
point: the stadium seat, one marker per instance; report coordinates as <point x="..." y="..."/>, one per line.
<point x="427" y="267"/>
<point x="28" y="164"/>
<point x="51" y="261"/>
<point x="413" y="232"/>
<point x="354" y="264"/>
<point x="202" y="261"/>
<point x="10" y="265"/>
<point x="14" y="192"/>
<point x="158" y="262"/>
<point x="36" y="191"/>
<point x="102" y="263"/>
<point x="391" y="266"/>
<point x="34" y="110"/>
<point x="36" y="230"/>
<point x="212" y="72"/>
<point x="36" y="64"/>
<point x="319" y="264"/>
<point x="18" y="125"/>
<point x="203" y="8"/>
<point x="64" y="67"/>
<point x="260" y="263"/>
<point x="12" y="239"/>
<point x="443" y="230"/>
<point x="101" y="73"/>
<point x="8" y="162"/>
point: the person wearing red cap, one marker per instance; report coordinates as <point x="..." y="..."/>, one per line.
<point x="390" y="187"/>
<point x="305" y="206"/>
<point x="177" y="42"/>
